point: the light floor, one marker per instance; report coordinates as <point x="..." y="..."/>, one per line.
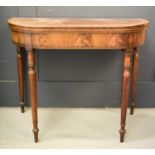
<point x="76" y="128"/>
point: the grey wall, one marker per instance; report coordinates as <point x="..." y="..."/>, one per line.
<point x="77" y="79"/>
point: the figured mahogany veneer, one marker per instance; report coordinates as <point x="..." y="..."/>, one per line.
<point x="56" y="33"/>
<point x="48" y="33"/>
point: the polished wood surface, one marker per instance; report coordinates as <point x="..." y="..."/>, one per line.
<point x="33" y="91"/>
<point x="20" y="77"/>
<point x="125" y="90"/>
<point x="78" y="22"/>
<point x="134" y="78"/>
<point x="45" y="33"/>
<point x="56" y="33"/>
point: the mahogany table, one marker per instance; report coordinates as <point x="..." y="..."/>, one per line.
<point x="56" y="33"/>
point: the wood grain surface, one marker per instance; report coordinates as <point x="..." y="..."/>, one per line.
<point x="78" y="22"/>
<point x="52" y="33"/>
<point x="47" y="33"/>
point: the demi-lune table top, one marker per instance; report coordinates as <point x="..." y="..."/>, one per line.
<point x="75" y="33"/>
<point x="78" y="22"/>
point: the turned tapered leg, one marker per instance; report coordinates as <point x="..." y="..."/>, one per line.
<point x="20" y="78"/>
<point x="33" y="91"/>
<point x="125" y="91"/>
<point x="134" y="78"/>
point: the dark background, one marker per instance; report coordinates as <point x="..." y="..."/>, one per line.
<point x="80" y="78"/>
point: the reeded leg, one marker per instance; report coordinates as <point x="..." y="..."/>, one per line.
<point x="134" y="78"/>
<point x="33" y="91"/>
<point x="125" y="91"/>
<point x="20" y="78"/>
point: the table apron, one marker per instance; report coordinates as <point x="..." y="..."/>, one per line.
<point x="78" y="40"/>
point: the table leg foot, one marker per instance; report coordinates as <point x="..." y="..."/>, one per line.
<point x="35" y="132"/>
<point x="132" y="106"/>
<point x="22" y="107"/>
<point x="122" y="134"/>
